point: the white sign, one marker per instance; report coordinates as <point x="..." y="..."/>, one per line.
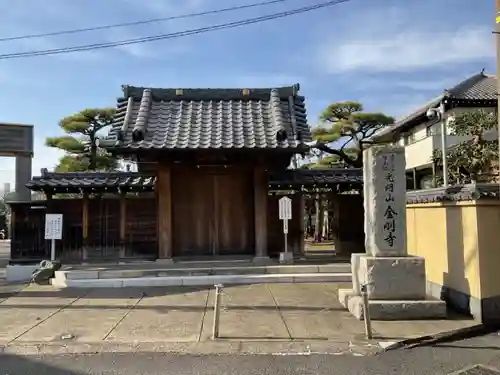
<point x="285" y="226"/>
<point x="53" y="226"/>
<point x="285" y="208"/>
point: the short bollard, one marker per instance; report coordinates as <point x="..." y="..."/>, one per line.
<point x="366" y="312"/>
<point x="215" y="328"/>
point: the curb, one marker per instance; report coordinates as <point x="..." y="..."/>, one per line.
<point x="443" y="337"/>
<point x="204" y="280"/>
<point x="218" y="347"/>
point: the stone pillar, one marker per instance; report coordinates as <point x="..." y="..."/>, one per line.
<point x="395" y="282"/>
<point x="23" y="176"/>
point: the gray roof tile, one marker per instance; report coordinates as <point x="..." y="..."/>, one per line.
<point x="75" y="181"/>
<point x="311" y="177"/>
<point x="209" y="118"/>
<point x="135" y="181"/>
<point x="479" y="87"/>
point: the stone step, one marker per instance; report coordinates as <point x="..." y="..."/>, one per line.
<point x="135" y="272"/>
<point x="205" y="280"/>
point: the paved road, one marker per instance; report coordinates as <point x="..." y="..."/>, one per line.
<point x="436" y="361"/>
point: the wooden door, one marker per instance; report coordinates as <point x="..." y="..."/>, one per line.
<point x="212" y="211"/>
<point x="234" y="212"/>
<point x="192" y="212"/>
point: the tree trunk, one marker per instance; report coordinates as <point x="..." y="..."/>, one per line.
<point x="318" y="230"/>
<point x="93" y="155"/>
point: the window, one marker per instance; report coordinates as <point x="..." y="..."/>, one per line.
<point x="434" y="129"/>
<point x="409" y="138"/>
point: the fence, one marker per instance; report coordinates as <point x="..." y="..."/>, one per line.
<point x="116" y="228"/>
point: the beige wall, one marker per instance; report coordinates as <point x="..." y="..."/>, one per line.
<point x="460" y="243"/>
<point x="419" y="153"/>
<point x="488" y="215"/>
<point x="447" y="236"/>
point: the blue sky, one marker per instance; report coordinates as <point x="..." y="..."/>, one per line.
<point x="391" y="55"/>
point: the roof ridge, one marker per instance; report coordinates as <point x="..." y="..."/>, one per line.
<point x="200" y="94"/>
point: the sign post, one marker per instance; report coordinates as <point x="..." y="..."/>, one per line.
<point x="285" y="214"/>
<point x="53" y="231"/>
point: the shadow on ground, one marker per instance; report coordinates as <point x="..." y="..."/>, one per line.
<point x="21" y="365"/>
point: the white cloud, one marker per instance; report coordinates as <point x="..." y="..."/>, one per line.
<point x="167" y="7"/>
<point x="408" y="51"/>
<point x="265" y="80"/>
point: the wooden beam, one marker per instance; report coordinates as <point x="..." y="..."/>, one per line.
<point x="164" y="194"/>
<point x="260" y="211"/>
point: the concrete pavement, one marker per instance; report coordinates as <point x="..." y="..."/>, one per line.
<point x="261" y="318"/>
<point x="4" y="253"/>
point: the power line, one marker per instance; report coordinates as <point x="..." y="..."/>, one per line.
<point x="178" y="34"/>
<point x="136" y="23"/>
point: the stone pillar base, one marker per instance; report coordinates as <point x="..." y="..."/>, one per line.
<point x="396" y="288"/>
<point x="261" y="260"/>
<point x="286" y="258"/>
<point x="165" y="261"/>
<point x="393" y="309"/>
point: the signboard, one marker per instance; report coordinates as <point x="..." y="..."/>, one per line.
<point x="16" y="139"/>
<point x="285" y="208"/>
<point x="53" y="226"/>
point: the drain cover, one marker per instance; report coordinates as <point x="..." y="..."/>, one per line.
<point x="477" y="370"/>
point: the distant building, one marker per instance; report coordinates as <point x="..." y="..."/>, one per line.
<point x="421" y="136"/>
<point x="6" y="188"/>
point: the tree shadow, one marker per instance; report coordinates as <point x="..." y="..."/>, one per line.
<point x="456" y="287"/>
<point x="21" y="365"/>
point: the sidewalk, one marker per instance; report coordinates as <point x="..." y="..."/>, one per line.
<point x="261" y="318"/>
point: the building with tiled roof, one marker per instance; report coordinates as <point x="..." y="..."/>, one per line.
<point x="421" y="136"/>
<point x="174" y="119"/>
<point x="212" y="164"/>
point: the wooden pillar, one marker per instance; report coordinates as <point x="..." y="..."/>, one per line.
<point x="301" y="213"/>
<point x="123" y="224"/>
<point x="260" y="212"/>
<point x="85" y="226"/>
<point x="164" y="195"/>
<point x="49" y="210"/>
<point x="297" y="224"/>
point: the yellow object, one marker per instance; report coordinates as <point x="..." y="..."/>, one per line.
<point x="459" y="241"/>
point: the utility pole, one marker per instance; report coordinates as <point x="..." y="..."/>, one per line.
<point x="497" y="43"/>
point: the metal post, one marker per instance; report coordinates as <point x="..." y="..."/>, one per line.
<point x="52" y="249"/>
<point x="215" y="328"/>
<point x="444" y="149"/>
<point x="366" y="312"/>
<point x="497" y="38"/>
<point x="286" y="239"/>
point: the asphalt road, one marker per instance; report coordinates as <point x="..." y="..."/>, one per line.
<point x="430" y="361"/>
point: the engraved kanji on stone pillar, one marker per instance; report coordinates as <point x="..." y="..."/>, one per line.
<point x="385" y="201"/>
